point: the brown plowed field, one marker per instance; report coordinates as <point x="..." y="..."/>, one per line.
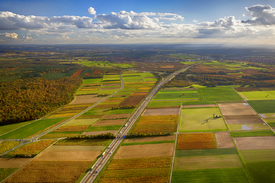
<point x="161" y="112"/>
<point x="238" y="117"/>
<point x="224" y="140"/>
<point x="116" y="116"/>
<point x="100" y="132"/>
<point x="132" y="101"/>
<point x="206" y="105"/>
<point x="145" y="151"/>
<point x="253" y="143"/>
<point x="236" y="109"/>
<point x="13" y="162"/>
<point x="150" y="139"/>
<point x="110" y="122"/>
<point x="243" y="121"/>
<point x="85" y="99"/>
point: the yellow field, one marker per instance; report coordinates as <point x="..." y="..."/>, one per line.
<point x="34" y="148"/>
<point x="196" y="141"/>
<point x="50" y="171"/>
<point x="138" y="163"/>
<point x="4" y="146"/>
<point x="156" y="124"/>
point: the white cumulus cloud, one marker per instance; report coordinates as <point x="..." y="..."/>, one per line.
<point x="10" y="35"/>
<point x="261" y="15"/>
<point x="92" y="11"/>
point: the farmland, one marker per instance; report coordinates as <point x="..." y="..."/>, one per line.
<point x="196" y="141"/>
<point x="259" y="95"/>
<point x="218" y="94"/>
<point x="263" y="106"/>
<point x="206" y="121"/>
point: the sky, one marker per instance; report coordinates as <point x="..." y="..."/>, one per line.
<point x="234" y="22"/>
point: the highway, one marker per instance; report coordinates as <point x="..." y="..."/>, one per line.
<point x="28" y="141"/>
<point x="106" y="155"/>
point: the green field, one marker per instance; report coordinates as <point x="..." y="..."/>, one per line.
<point x="176" y="95"/>
<point x="5" y="172"/>
<point x="164" y="104"/>
<point x="103" y="128"/>
<point x="252" y="133"/>
<point x="256" y="126"/>
<point x="201" y="119"/>
<point x="218" y="94"/>
<point x="133" y="79"/>
<point x="259" y="95"/>
<point x="262" y="172"/>
<point x="79" y="122"/>
<point x="210" y="175"/>
<point x="263" y="106"/>
<point x="92" y="81"/>
<point x="31" y="128"/>
<point x="6" y="128"/>
<point x="261" y="155"/>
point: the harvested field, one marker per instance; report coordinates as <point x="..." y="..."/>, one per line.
<point x="224" y="140"/>
<point x="50" y="171"/>
<point x="244" y="121"/>
<point x="236" y="109"/>
<point x="253" y="143"/>
<point x="193" y="106"/>
<point x="207" y="162"/>
<point x="100" y="132"/>
<point x="150" y="139"/>
<point x="13" y="162"/>
<point x="206" y="152"/>
<point x="110" y="122"/>
<point x="164" y="111"/>
<point x="80" y="128"/>
<point x="132" y="101"/>
<point x="85" y="99"/>
<point x="116" y="116"/>
<point x="70" y="153"/>
<point x="145" y="151"/>
<point x="241" y="117"/>
<point x="196" y="141"/>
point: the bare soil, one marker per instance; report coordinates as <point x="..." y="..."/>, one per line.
<point x="100" y="132"/>
<point x="236" y="109"/>
<point x="110" y="122"/>
<point x="13" y="162"/>
<point x="244" y="121"/>
<point x="161" y="112"/>
<point x="206" y="105"/>
<point x="85" y="99"/>
<point x="145" y="151"/>
<point x="116" y="116"/>
<point x="238" y="117"/>
<point x="253" y="143"/>
<point x="151" y="139"/>
<point x="207" y="162"/>
<point x="132" y="100"/>
<point x="224" y="140"/>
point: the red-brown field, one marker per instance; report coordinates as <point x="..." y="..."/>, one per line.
<point x="196" y="141"/>
<point x="132" y="101"/>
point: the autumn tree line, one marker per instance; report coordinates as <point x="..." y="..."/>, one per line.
<point x="29" y="99"/>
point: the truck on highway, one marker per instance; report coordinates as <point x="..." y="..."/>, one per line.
<point x="103" y="154"/>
